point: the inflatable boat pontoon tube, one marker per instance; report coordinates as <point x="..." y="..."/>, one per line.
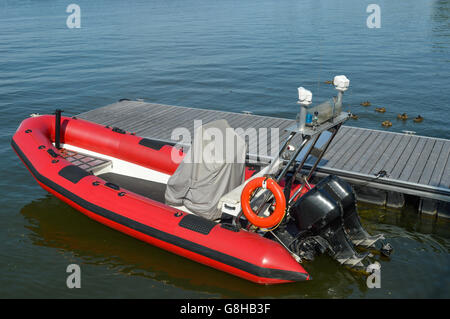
<point x="238" y="252"/>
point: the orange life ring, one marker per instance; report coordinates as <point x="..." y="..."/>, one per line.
<point x="280" y="206"/>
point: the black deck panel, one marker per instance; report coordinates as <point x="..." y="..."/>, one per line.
<point x="152" y="190"/>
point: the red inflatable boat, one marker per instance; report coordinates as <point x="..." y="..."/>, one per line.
<point x="253" y="220"/>
<point x="99" y="171"/>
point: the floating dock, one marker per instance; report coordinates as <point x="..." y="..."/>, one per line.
<point x="416" y="166"/>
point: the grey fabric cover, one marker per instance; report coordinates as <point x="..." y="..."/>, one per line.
<point x="208" y="172"/>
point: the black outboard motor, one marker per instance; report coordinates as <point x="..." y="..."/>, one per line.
<point x="320" y="218"/>
<point x="343" y="193"/>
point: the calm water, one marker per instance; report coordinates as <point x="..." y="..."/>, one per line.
<point x="225" y="55"/>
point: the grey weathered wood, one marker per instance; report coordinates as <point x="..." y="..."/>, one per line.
<point x="410" y="162"/>
<point x="339" y="142"/>
<point x="379" y="156"/>
<point x="362" y="150"/>
<point x="372" y="148"/>
<point x="352" y="139"/>
<point x="347" y="150"/>
<point x="445" y="179"/>
<point x="422" y="161"/>
<point x="405" y="155"/>
<point x="396" y="153"/>
<point x="419" y="164"/>
<point x="431" y="163"/>
<point x="355" y="151"/>
<point x="439" y="169"/>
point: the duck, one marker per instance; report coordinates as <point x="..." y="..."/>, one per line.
<point x="366" y="103"/>
<point x="386" y="123"/>
<point x="418" y="119"/>
<point x="353" y="116"/>
<point x="380" y="109"/>
<point x="403" y="116"/>
<point x="328" y="82"/>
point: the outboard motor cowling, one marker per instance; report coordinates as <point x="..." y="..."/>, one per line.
<point x="342" y="192"/>
<point x="315" y="210"/>
<point x="319" y="217"/>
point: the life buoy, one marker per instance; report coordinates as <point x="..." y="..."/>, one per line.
<point x="280" y="205"/>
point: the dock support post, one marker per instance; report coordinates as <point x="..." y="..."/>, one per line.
<point x="370" y="195"/>
<point x="395" y="199"/>
<point x="443" y="211"/>
<point x="428" y="206"/>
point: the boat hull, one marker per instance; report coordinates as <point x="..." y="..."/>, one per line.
<point x="240" y="253"/>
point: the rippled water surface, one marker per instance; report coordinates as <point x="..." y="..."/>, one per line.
<point x="225" y="55"/>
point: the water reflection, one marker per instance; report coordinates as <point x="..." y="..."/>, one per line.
<point x="56" y="225"/>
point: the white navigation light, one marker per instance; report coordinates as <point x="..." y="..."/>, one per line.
<point x="341" y="83"/>
<point x="304" y="96"/>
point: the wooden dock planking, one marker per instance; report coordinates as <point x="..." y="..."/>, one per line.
<point x="431" y="163"/>
<point x="406" y="162"/>
<point x="395" y="154"/>
<point x="421" y="161"/>
<point x="445" y="178"/>
<point x="342" y="151"/>
<point x="353" y="151"/>
<point x="339" y="140"/>
<point x="439" y="169"/>
<point x="416" y="164"/>
<point x="369" y="154"/>
<point x="377" y="154"/>
<point x="385" y="155"/>
<point x="362" y="150"/>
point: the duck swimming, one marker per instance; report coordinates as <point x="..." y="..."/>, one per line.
<point x="418" y="119"/>
<point x="353" y="116"/>
<point x="403" y="116"/>
<point x="366" y="103"/>
<point x="386" y="123"/>
<point x="380" y="109"/>
<point x="328" y="82"/>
